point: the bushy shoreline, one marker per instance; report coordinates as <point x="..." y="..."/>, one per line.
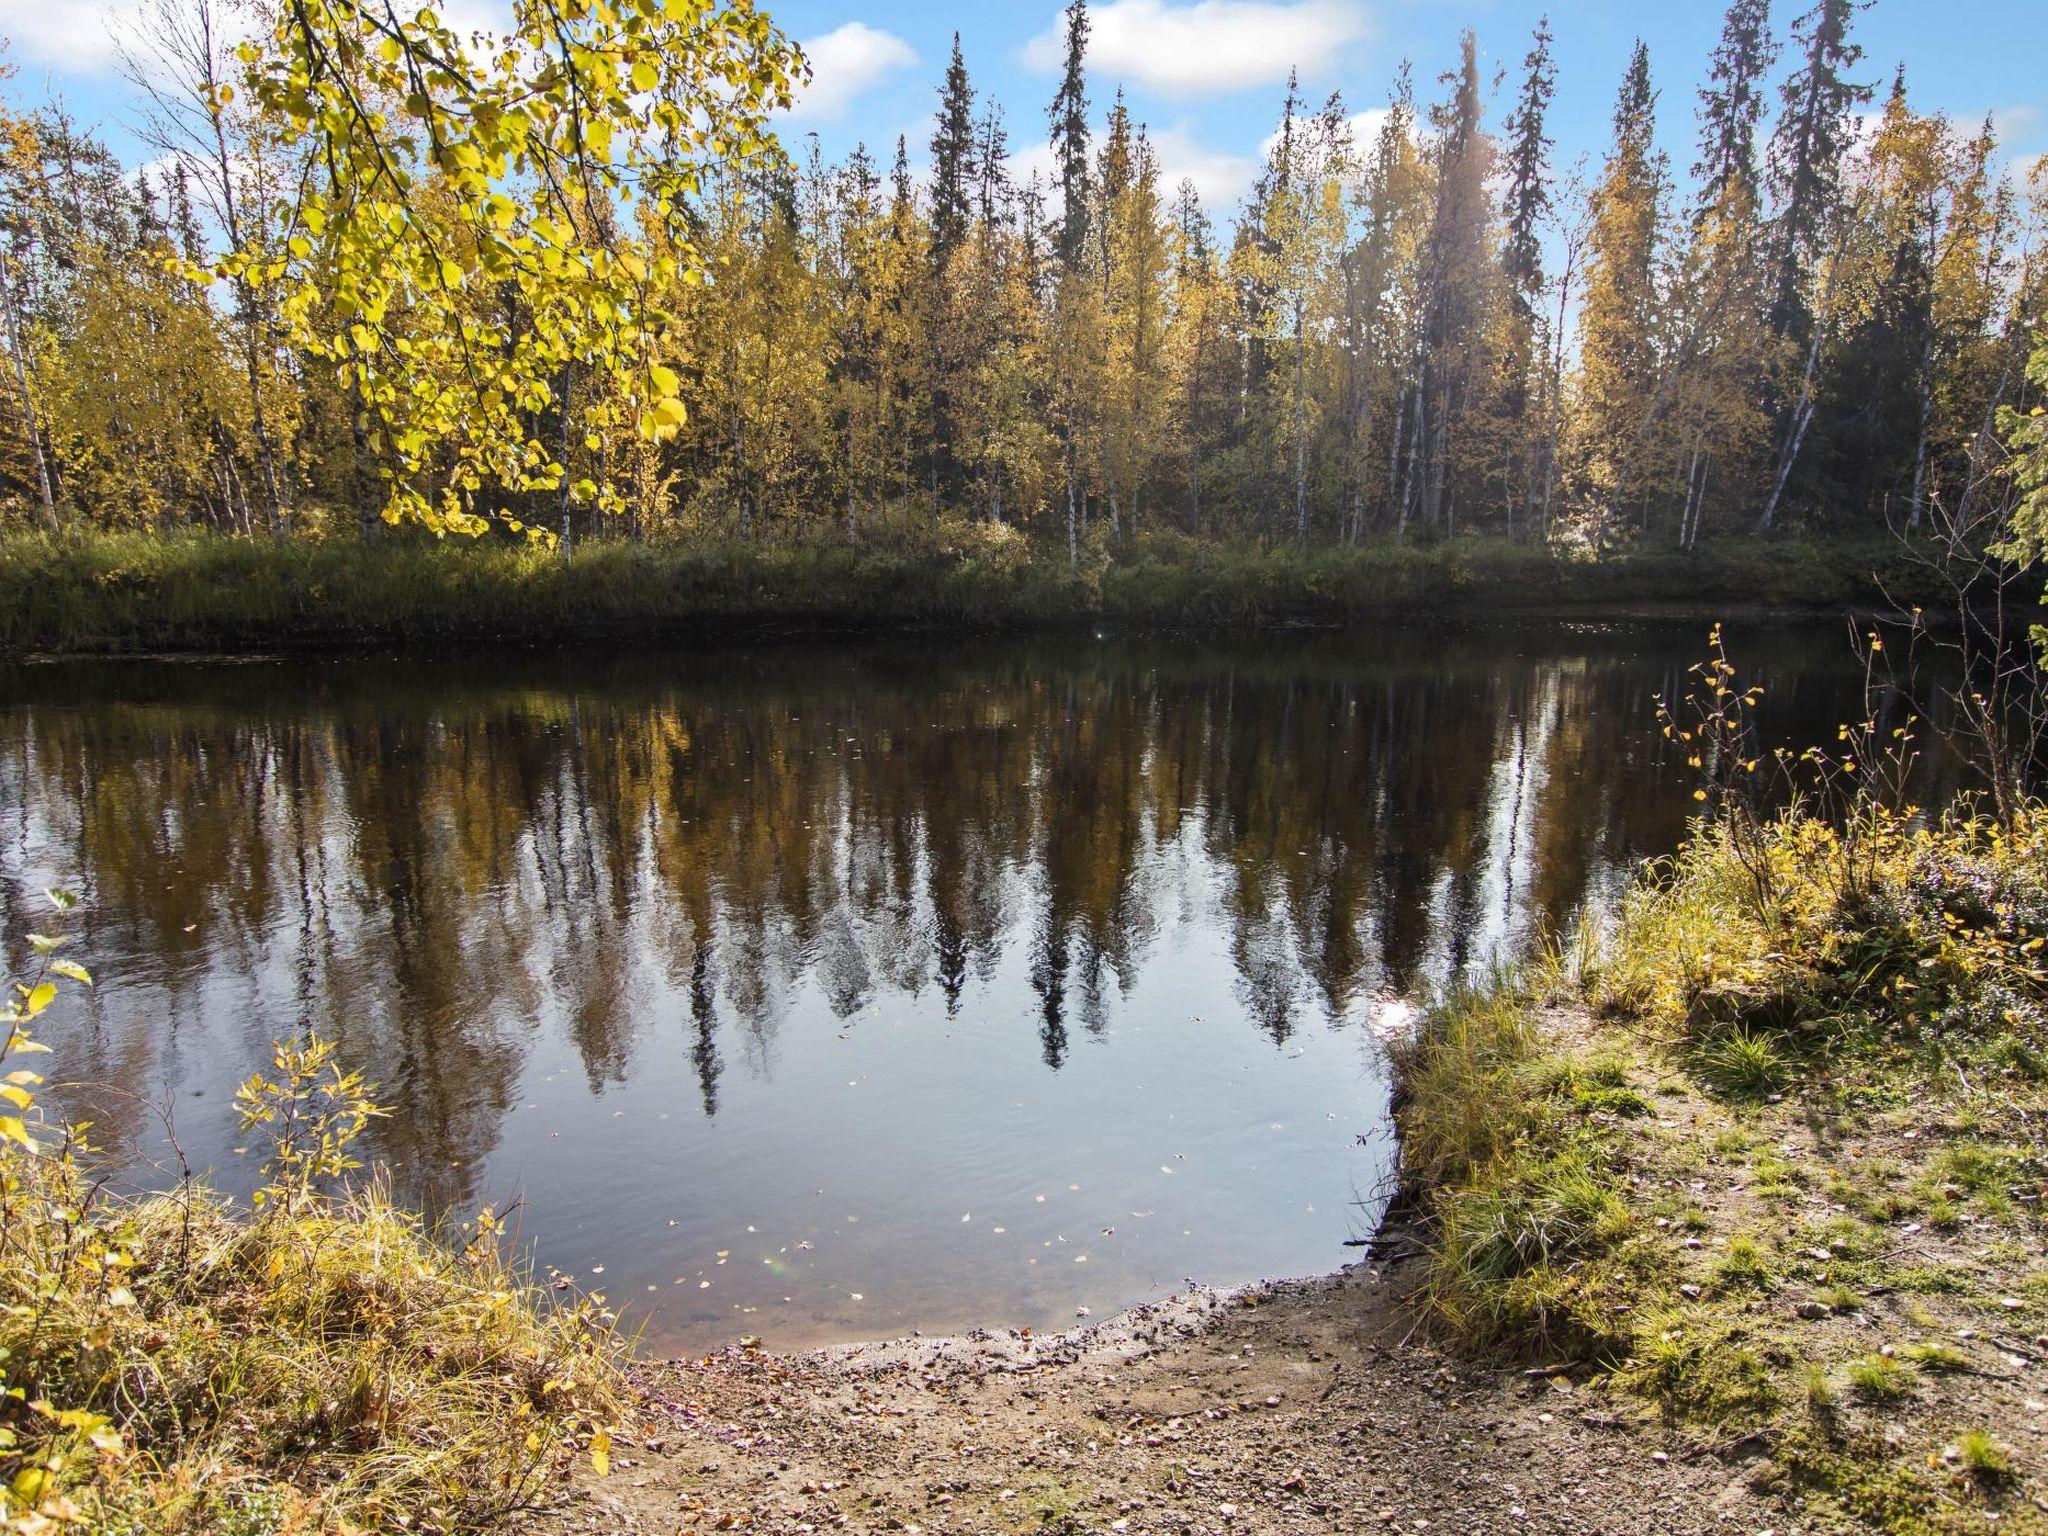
<point x="86" y="592"/>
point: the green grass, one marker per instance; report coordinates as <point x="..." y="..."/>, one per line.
<point x="1839" y="1019"/>
<point x="83" y="591"/>
<point x="1744" y="1062"/>
<point x="1528" y="1220"/>
<point x="1879" y="1379"/>
<point x="1983" y="1458"/>
<point x="1937" y="1355"/>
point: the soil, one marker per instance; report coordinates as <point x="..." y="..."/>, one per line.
<point x="1297" y="1407"/>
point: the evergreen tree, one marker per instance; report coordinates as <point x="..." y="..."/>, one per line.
<point x="992" y="167"/>
<point x="1618" y="319"/>
<point x="1528" y="166"/>
<point x="1521" y="258"/>
<point x="1814" y="130"/>
<point x="953" y="162"/>
<point x="1732" y="102"/>
<point x="1069" y="118"/>
<point x="1459" y="273"/>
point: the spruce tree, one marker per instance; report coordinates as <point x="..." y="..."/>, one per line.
<point x="1617" y="320"/>
<point x="991" y="167"/>
<point x="1068" y="115"/>
<point x="1528" y="194"/>
<point x="1814" y="131"/>
<point x="1458" y="271"/>
<point x="1732" y="102"/>
<point x="902" y="194"/>
<point x="952" y="162"/>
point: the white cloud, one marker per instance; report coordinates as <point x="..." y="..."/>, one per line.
<point x="1365" y="133"/>
<point x="65" y="34"/>
<point x="2015" y="123"/>
<point x="1210" y="45"/>
<point x="845" y="62"/>
<point x="1219" y="176"/>
<point x="1035" y="157"/>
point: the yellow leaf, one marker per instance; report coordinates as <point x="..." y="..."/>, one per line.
<point x="601" y="1452"/>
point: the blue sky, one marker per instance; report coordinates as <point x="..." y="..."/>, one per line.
<point x="1207" y="76"/>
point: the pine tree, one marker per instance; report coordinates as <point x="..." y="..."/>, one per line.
<point x="1618" y="319"/>
<point x="1458" y="293"/>
<point x="1526" y="203"/>
<point x="1528" y="164"/>
<point x="992" y="168"/>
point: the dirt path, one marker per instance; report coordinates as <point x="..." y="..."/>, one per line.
<point x="1303" y="1407"/>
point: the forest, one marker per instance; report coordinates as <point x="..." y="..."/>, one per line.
<point x="1418" y="324"/>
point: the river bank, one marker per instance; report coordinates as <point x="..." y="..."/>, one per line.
<point x="125" y="593"/>
<point x="1800" y="1361"/>
<point x="1314" y="1406"/>
<point x="1732" y="1220"/>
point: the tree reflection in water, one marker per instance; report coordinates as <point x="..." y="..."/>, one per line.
<point x="486" y="876"/>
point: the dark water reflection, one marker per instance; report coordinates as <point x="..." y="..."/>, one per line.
<point x="826" y="991"/>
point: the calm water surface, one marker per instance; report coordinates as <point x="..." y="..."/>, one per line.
<point x="826" y="991"/>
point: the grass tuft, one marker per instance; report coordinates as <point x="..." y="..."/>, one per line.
<point x="1983" y="1459"/>
<point x="1879" y="1379"/>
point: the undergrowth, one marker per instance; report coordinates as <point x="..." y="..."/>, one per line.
<point x="84" y="591"/>
<point x="173" y="1365"/>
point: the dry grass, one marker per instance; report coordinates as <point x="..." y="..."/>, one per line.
<point x="172" y="1365"/>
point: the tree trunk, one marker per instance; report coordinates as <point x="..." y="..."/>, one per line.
<point x="565" y="462"/>
<point x="1802" y="414"/>
<point x="1300" y="431"/>
<point x="1073" y="545"/>
<point x="11" y="303"/>
<point x="1926" y="419"/>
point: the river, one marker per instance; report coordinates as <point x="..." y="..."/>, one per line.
<point x="825" y="991"/>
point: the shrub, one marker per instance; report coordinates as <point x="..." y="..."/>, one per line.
<point x="171" y="1364"/>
